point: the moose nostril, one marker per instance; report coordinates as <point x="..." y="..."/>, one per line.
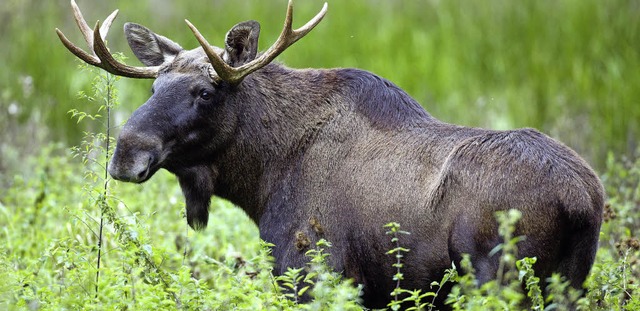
<point x="142" y="174"/>
<point x="145" y="168"/>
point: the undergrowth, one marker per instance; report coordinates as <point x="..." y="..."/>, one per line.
<point x="149" y="259"/>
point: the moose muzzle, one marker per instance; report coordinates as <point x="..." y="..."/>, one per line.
<point x="136" y="158"/>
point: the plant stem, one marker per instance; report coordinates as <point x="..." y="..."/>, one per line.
<point x="109" y="85"/>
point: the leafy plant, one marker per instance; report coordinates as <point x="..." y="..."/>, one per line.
<point x="330" y="291"/>
<point x="614" y="283"/>
<point x="48" y="260"/>
<point x="505" y="291"/>
<point x="394" y="231"/>
<point x="413" y="299"/>
<point x="291" y="281"/>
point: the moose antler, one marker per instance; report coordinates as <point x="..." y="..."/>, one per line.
<point x="287" y="37"/>
<point x="100" y="55"/>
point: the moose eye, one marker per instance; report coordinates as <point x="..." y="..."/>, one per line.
<point x="206" y="95"/>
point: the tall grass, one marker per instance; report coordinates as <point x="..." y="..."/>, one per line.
<point x="569" y="68"/>
<point x="49" y="227"/>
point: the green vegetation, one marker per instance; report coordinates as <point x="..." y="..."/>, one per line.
<point x="151" y="260"/>
<point x="569" y="68"/>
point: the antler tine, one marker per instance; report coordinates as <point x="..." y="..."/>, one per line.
<point x="224" y="71"/>
<point x="294" y="35"/>
<point x="287" y="37"/>
<point x="82" y="23"/>
<point x="107" y="24"/>
<point x="99" y="55"/>
<point x="78" y="52"/>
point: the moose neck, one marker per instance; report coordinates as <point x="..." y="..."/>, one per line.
<point x="279" y="110"/>
<point x="280" y="114"/>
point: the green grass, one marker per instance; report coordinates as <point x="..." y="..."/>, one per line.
<point x="569" y="68"/>
<point x="152" y="260"/>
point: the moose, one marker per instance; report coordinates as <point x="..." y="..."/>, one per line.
<point x="336" y="154"/>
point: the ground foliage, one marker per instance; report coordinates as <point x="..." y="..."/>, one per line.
<point x="76" y="239"/>
<point x="151" y="260"/>
<point x="568" y="67"/>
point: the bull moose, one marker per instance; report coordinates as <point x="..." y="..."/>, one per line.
<point x="338" y="153"/>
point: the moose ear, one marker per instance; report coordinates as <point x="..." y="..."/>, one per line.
<point x="241" y="44"/>
<point x="150" y="48"/>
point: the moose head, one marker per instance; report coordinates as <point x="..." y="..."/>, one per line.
<point x="194" y="111"/>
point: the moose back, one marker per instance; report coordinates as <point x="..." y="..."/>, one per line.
<point x="336" y="154"/>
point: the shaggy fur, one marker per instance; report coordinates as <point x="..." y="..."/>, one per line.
<point x="338" y="153"/>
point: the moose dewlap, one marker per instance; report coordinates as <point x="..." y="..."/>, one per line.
<point x="338" y="153"/>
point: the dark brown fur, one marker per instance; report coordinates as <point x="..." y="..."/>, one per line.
<point x="338" y="153"/>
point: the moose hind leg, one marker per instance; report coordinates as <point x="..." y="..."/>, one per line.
<point x="477" y="241"/>
<point x="579" y="254"/>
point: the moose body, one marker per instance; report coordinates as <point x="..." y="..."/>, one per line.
<point x="336" y="154"/>
<point x="362" y="153"/>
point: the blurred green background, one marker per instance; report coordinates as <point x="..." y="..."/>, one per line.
<point x="570" y="68"/>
